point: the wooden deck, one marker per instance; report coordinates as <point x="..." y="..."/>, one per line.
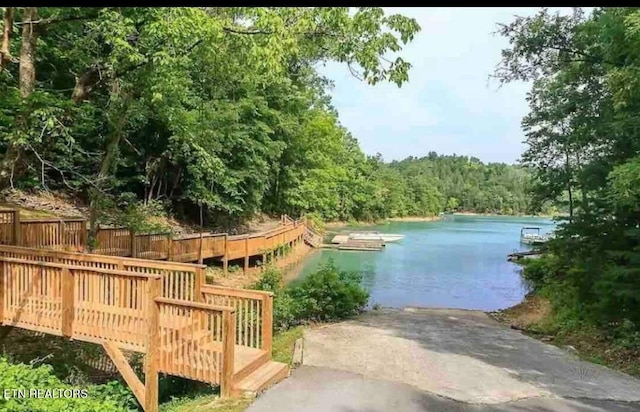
<point x="164" y="310"/>
<point x="72" y="235"/>
<point x="135" y="292"/>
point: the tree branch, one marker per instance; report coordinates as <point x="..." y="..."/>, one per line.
<point x="248" y="32"/>
<point x="54" y="20"/>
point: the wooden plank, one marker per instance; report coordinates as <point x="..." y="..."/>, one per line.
<point x="17" y="229"/>
<point x="267" y="323"/>
<point x="67" y="303"/>
<point x="198" y="282"/>
<point x="81" y="268"/>
<point x="246" y="256"/>
<point x="228" y="346"/>
<point x="3" y="286"/>
<point x="154" y="287"/>
<point x="225" y="258"/>
<point x="132" y="236"/>
<point x="126" y="371"/>
<point x="197" y="305"/>
<point x="240" y="293"/>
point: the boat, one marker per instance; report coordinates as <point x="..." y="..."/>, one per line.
<point x="532" y="236"/>
<point x="384" y="237"/>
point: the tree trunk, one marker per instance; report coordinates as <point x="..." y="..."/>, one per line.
<point x="28" y="51"/>
<point x="568" y="171"/>
<point x="27" y="79"/>
<point x="5" y="53"/>
<point x="103" y="174"/>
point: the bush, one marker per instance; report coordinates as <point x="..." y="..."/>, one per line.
<point x="21" y="376"/>
<point x="329" y="294"/>
<point x="326" y="295"/>
<point x="271" y="280"/>
<point x="538" y="272"/>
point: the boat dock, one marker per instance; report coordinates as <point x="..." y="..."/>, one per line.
<point x="529" y="254"/>
<point x="359" y="245"/>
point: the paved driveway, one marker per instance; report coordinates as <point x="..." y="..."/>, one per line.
<point x="442" y="360"/>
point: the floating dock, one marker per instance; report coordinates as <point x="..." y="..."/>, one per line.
<point x="360" y="245"/>
<point x="530" y="254"/>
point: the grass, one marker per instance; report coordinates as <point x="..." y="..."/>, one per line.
<point x="209" y="403"/>
<point x="283" y="343"/>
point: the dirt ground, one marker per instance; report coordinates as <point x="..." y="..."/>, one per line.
<point x="533" y="309"/>
<point x="238" y="279"/>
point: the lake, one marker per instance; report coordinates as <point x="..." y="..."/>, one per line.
<point x="458" y="262"/>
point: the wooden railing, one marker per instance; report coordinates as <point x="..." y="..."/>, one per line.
<point x="9" y="225"/>
<point x="254" y="312"/>
<point x="72" y="235"/>
<point x="179" y="280"/>
<point x="162" y="309"/>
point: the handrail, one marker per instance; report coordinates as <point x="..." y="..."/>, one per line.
<point x="197" y="235"/>
<point x="197" y="305"/>
<point x="93" y="257"/>
<point x="227" y="291"/>
<point x="84" y="268"/>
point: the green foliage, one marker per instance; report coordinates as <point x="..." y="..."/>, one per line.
<point x="270" y="281"/>
<point x="328" y="294"/>
<point x="582" y="148"/>
<point x="189" y="106"/>
<point x="105" y="398"/>
<point x="233" y="116"/>
<point x="118" y="393"/>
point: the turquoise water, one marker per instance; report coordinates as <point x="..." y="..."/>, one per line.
<point x="459" y="262"/>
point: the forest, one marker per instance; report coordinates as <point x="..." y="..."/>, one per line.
<point x="583" y="143"/>
<point x="222" y="109"/>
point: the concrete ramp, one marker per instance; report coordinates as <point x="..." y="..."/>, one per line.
<point x="461" y="355"/>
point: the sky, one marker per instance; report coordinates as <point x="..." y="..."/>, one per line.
<point x="450" y="105"/>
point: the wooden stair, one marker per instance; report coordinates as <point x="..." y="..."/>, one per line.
<point x="312" y="238"/>
<point x="254" y="371"/>
<point x="269" y="373"/>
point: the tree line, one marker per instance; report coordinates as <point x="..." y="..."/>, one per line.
<point x="217" y="109"/>
<point x="583" y="142"/>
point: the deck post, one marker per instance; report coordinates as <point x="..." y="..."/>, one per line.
<point x="170" y="247"/>
<point x="225" y="258"/>
<point x="132" y="235"/>
<point x="3" y="268"/>
<point x="84" y="236"/>
<point x="228" y="346"/>
<point x="267" y="323"/>
<point x="198" y="281"/>
<point x="61" y="234"/>
<point x="67" y="302"/>
<point x="200" y="250"/>
<point x="154" y="288"/>
<point x="17" y="228"/>
<point x="246" y="255"/>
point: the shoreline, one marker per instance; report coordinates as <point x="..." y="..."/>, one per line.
<point x="408" y="219"/>
<point x="534" y="317"/>
<point x="341" y="223"/>
<point x="498" y="215"/>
